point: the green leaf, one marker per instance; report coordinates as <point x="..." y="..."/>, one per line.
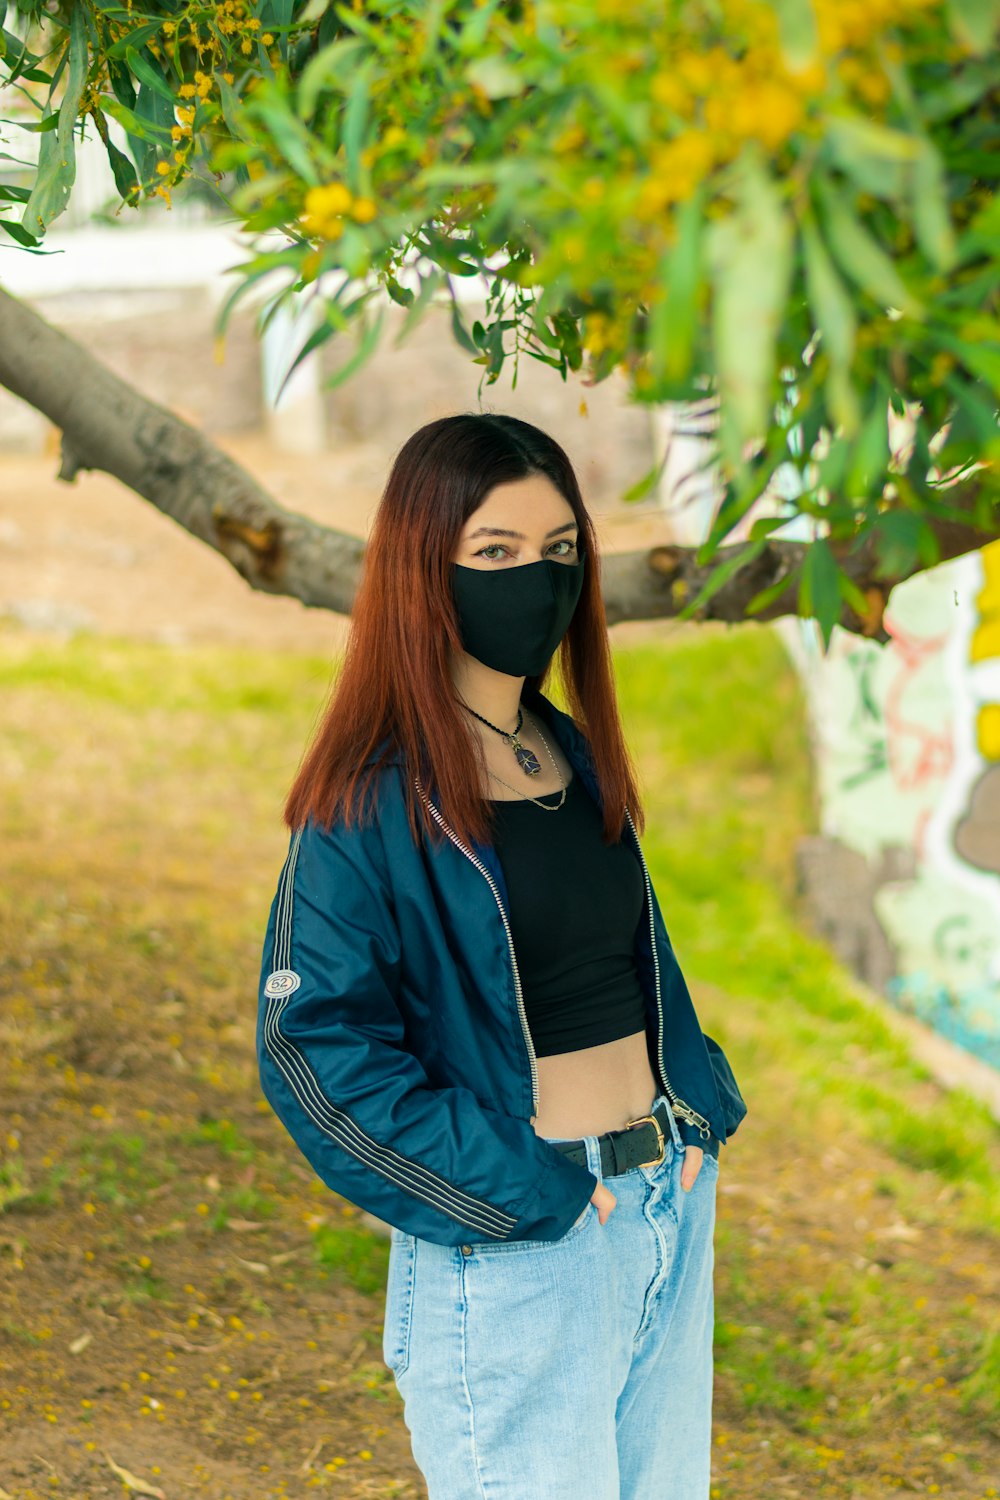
<point x="645" y="485"/>
<point x="738" y="558"/>
<point x="982" y="232"/>
<point x="833" y="310"/>
<point x="931" y="214"/>
<point x="975" y="22"/>
<point x="446" y="253"/>
<point x="819" y="587"/>
<point x="354" y="127"/>
<point x="36" y="127"/>
<point x="859" y="256"/>
<point x="19" y="233"/>
<point x="495" y="75"/>
<point x="398" y="293"/>
<point x="121" y="83"/>
<point x="429" y="284"/>
<point x="319" y="336"/>
<point x="459" y="331"/>
<point x="674" y="321"/>
<point x="57" y="151"/>
<point x="288" y="134"/>
<point x="981" y="358"/>
<point x="365" y="349"/>
<point x="875" y="157"/>
<point x="870" y="454"/>
<point x="252" y="271"/>
<point x="974" y="427"/>
<point x="797" y="30"/>
<point x="231" y="105"/>
<point x="766" y="597"/>
<point x="897" y="542"/>
<point x="135" y="36"/>
<point x="144" y="130"/>
<point x="333" y="66"/>
<point x="750" y="254"/>
<point x="957" y="92"/>
<point x="19" y="62"/>
<point x="147" y="72"/>
<point x="124" y="174"/>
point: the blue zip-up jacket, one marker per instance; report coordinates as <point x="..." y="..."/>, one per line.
<point x="392" y="1037"/>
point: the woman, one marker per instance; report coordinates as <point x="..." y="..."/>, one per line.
<point x="472" y="1021"/>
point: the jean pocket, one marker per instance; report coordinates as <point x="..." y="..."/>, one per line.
<point x="513" y="1247"/>
<point x="399" y="1302"/>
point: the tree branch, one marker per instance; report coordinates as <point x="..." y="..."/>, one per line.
<point x="107" y="425"/>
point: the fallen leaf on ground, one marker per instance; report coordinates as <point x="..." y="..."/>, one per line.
<point x="133" y="1482"/>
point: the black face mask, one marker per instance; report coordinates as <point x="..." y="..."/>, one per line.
<point x="512" y="619"/>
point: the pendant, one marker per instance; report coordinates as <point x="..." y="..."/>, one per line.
<point x="527" y="759"/>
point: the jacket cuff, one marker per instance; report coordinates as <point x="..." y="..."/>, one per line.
<point x="692" y="1136"/>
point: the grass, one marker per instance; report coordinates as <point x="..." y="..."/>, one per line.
<point x="145" y="1188"/>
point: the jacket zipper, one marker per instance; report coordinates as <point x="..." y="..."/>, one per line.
<point x="680" y="1107"/>
<point x="532" y="1060"/>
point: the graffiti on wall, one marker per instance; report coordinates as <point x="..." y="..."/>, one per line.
<point x="907" y="741"/>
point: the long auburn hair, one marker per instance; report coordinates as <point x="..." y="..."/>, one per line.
<point x="394" y="692"/>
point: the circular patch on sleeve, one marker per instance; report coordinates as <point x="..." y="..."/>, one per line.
<point x="281" y="982"/>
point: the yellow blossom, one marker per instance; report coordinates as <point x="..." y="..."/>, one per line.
<point x="363" y="210"/>
<point x="676" y="168"/>
<point x="668" y="90"/>
<point x="324" y="207"/>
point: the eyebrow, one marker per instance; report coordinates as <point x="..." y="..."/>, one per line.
<point x="498" y="531"/>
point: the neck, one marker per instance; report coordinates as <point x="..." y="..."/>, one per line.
<point x="493" y="694"/>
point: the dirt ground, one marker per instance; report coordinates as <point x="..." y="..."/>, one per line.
<point x="183" y="1311"/>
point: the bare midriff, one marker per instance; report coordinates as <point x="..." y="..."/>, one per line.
<point x="594" y="1090"/>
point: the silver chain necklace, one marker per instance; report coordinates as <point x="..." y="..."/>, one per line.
<point x="548" y="806"/>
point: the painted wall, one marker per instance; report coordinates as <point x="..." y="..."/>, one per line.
<point x="907" y="740"/>
<point x="904" y="878"/>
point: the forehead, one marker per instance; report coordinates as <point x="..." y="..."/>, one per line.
<point x="532" y="502"/>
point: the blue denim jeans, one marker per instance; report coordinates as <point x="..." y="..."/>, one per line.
<point x="570" y="1369"/>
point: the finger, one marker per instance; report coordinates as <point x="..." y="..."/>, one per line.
<point x="689" y="1174"/>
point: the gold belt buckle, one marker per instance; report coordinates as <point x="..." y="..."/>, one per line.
<point x="651" y="1120"/>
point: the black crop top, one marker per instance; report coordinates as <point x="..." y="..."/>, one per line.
<point x="574" y="904"/>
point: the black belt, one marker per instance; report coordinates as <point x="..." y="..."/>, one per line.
<point x="641" y="1144"/>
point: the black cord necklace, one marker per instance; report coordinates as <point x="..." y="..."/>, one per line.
<point x="526" y="759"/>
